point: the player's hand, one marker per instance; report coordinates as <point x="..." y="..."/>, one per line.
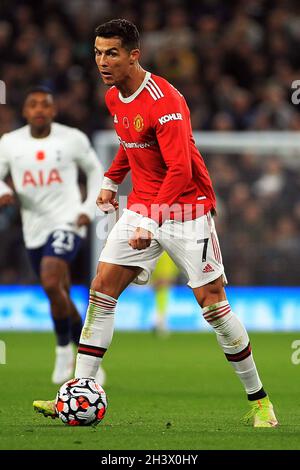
<point x="83" y="220"/>
<point x="140" y="239"/>
<point x="7" y="200"/>
<point x="106" y="201"/>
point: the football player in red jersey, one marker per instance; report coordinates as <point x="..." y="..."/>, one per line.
<point x="171" y="208"/>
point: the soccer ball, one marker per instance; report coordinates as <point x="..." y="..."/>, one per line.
<point x="81" y="402"/>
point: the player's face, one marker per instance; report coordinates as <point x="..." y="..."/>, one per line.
<point x="39" y="110"/>
<point x="113" y="60"/>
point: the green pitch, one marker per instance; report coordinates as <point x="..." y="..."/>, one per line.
<point x="164" y="393"/>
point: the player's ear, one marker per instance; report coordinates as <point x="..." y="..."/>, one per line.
<point x="134" y="56"/>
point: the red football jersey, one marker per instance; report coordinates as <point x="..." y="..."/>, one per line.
<point x="156" y="144"/>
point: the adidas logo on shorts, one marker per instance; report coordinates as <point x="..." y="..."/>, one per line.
<point x="208" y="269"/>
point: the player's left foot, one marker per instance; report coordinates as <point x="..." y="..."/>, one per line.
<point x="46" y="407"/>
<point x="261" y="414"/>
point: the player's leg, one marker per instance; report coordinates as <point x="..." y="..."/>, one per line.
<point x="76" y="327"/>
<point x="75" y="317"/>
<point x="76" y="322"/>
<point x="119" y="265"/>
<point x="53" y="272"/>
<point x="162" y="292"/>
<point x="234" y="340"/>
<point x="97" y="331"/>
<point x="162" y="279"/>
<point x="197" y="252"/>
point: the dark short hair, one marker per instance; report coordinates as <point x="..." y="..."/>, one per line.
<point x="123" y="29"/>
<point x="38" y="89"/>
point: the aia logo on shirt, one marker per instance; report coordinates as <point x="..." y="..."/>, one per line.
<point x="138" y="123"/>
<point x="41" y="178"/>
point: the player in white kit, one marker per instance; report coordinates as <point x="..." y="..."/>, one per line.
<point x="43" y="159"/>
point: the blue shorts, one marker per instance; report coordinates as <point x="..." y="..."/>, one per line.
<point x="61" y="244"/>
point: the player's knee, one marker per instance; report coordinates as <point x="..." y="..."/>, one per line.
<point x="102" y="284"/>
<point x="211" y="293"/>
<point x="51" y="285"/>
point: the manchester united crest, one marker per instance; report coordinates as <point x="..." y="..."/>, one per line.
<point x="138" y="123"/>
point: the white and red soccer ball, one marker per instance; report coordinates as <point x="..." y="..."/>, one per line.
<point x="81" y="402"/>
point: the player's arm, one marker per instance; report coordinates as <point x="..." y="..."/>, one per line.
<point x="174" y="141"/>
<point x="173" y="137"/>
<point x="114" y="176"/>
<point x="6" y="193"/>
<point x="170" y="120"/>
<point x="88" y="161"/>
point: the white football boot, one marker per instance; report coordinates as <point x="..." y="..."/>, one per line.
<point x="64" y="364"/>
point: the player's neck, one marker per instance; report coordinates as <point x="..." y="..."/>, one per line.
<point x="132" y="82"/>
<point x="40" y="133"/>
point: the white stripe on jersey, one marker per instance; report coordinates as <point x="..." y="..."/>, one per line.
<point x="156" y="87"/>
<point x="154" y="90"/>
<point x="151" y="92"/>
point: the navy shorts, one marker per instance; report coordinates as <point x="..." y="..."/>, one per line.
<point x="61" y="244"/>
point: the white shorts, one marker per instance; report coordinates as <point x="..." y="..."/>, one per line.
<point x="193" y="246"/>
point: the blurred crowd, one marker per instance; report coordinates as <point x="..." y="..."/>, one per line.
<point x="258" y="219"/>
<point x="233" y="61"/>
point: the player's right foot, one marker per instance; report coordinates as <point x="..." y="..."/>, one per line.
<point x="46" y="407"/>
<point x="64" y="364"/>
<point x="261" y="413"/>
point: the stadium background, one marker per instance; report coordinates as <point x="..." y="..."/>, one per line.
<point x="235" y="63"/>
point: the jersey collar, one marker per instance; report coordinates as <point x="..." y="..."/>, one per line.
<point x="137" y="92"/>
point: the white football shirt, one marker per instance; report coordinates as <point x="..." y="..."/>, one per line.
<point x="45" y="176"/>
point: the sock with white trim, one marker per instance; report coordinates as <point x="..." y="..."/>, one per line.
<point x="233" y="339"/>
<point x="96" y="334"/>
